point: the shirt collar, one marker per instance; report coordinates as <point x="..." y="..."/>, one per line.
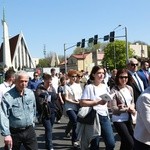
<point x="7" y="84"/>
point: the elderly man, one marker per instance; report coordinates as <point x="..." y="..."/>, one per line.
<point x="17" y="113"/>
<point x="136" y="83"/>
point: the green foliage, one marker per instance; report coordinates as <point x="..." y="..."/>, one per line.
<point x="115" y="53"/>
<point x="44" y="63"/>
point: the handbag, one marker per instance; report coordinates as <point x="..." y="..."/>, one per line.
<point x="88" y="118"/>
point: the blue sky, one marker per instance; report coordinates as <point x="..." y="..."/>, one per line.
<point x="55" y="22"/>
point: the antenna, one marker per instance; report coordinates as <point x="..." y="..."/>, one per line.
<point x="44" y="51"/>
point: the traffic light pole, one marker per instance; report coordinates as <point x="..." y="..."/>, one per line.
<point x="127" y="57"/>
<point x="126" y="42"/>
<point x="65" y="49"/>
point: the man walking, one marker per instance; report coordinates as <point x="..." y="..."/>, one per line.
<point x="8" y="82"/>
<point x="17" y="113"/>
<point x="136" y="83"/>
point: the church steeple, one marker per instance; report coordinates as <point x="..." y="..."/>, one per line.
<point x="6" y="45"/>
<point x="3" y="14"/>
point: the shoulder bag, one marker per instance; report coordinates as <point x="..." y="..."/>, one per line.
<point x="86" y="115"/>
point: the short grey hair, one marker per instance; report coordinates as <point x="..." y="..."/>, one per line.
<point x="21" y="73"/>
<point x="130" y="60"/>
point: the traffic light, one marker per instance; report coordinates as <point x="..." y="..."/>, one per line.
<point x="112" y="36"/>
<point x="95" y="39"/>
<point x="90" y="40"/>
<point x="78" y="44"/>
<point x="83" y="43"/>
<point x="106" y="37"/>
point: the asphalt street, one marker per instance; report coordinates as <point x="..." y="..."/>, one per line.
<point x="59" y="140"/>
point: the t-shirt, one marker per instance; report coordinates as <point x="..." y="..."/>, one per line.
<point x="93" y="92"/>
<point x="74" y="92"/>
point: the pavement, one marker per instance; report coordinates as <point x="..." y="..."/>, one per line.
<point x="59" y="140"/>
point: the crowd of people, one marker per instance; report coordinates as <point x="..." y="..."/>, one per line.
<point x="44" y="99"/>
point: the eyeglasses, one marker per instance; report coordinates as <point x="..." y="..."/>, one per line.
<point x="36" y="75"/>
<point x="123" y="77"/>
<point x="134" y="64"/>
<point x="73" y="76"/>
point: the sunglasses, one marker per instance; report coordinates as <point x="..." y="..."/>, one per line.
<point x="123" y="77"/>
<point x="134" y="64"/>
<point x="73" y="76"/>
<point x="36" y="75"/>
<point x="80" y="76"/>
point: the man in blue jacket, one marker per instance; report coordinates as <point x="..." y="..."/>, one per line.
<point x="144" y="74"/>
<point x="17" y="114"/>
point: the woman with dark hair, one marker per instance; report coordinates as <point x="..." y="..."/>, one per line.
<point x="122" y="106"/>
<point x="91" y="98"/>
<point x="47" y="97"/>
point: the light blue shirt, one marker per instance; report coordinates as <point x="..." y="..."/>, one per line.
<point x="17" y="111"/>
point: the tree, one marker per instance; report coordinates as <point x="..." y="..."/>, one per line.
<point x="43" y="63"/>
<point x="46" y="62"/>
<point x="115" y="54"/>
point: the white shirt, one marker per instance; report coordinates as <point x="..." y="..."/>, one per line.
<point x="142" y="128"/>
<point x="74" y="93"/>
<point x="140" y="81"/>
<point x="55" y="82"/>
<point x="128" y="98"/>
<point x="4" y="87"/>
<point x="93" y="92"/>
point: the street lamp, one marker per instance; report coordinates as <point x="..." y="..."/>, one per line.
<point x="117" y="27"/>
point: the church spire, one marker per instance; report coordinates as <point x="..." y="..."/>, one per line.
<point x="3" y="14"/>
<point x="6" y="45"/>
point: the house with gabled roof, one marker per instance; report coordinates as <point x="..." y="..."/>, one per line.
<point x="79" y="61"/>
<point x="14" y="51"/>
<point x="85" y="61"/>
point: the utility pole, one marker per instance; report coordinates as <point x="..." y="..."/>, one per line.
<point x="65" y="58"/>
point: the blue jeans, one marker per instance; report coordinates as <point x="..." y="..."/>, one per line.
<point x="106" y="133"/>
<point x="72" y="114"/>
<point x="48" y="125"/>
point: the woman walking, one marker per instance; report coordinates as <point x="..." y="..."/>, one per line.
<point x="91" y="98"/>
<point x="47" y="97"/>
<point x="122" y="107"/>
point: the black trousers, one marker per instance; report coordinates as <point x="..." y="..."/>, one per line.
<point x="125" y="131"/>
<point x="27" y="137"/>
